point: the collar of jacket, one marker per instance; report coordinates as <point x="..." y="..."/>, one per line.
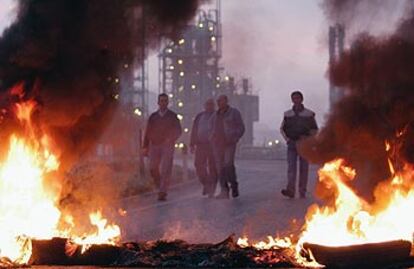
<point x="298" y="108"/>
<point x="223" y="111"/>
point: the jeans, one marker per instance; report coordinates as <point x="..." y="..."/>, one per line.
<point x="161" y="162"/>
<point x="292" y="158"/>
<point x="224" y="156"/>
<point x="206" y="167"/>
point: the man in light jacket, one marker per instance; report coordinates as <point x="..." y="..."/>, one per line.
<point x="298" y="123"/>
<point x="227" y="129"/>
<point x="200" y="145"/>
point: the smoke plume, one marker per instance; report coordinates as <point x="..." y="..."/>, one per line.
<point x="67" y="53"/>
<point x="377" y="74"/>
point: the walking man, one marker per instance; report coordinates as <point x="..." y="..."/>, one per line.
<point x="201" y="145"/>
<point x="163" y="130"/>
<point x="227" y="129"/>
<point x="298" y="123"/>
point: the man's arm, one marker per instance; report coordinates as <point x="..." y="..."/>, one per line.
<point x="194" y="131"/>
<point x="313" y="126"/>
<point x="240" y="129"/>
<point x="282" y="130"/>
<point x="147" y="134"/>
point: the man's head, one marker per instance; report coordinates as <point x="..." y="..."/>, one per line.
<point x="297" y="97"/>
<point x="209" y="105"/>
<point x="222" y="101"/>
<point x="163" y="101"/>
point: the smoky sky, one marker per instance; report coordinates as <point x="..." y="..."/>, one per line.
<point x="67" y="53"/>
<point x="376" y="73"/>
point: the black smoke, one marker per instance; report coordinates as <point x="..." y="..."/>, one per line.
<point x="67" y="53"/>
<point x="377" y="74"/>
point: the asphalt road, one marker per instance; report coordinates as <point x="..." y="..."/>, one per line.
<point x="259" y="211"/>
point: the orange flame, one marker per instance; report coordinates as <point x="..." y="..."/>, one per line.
<point x="27" y="206"/>
<point x="354" y="221"/>
<point x="351" y="220"/>
<point x="105" y="234"/>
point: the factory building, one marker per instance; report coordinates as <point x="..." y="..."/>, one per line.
<point x="190" y="73"/>
<point x="336" y="49"/>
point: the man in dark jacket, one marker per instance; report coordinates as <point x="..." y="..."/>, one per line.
<point x="163" y="130"/>
<point x="227" y="129"/>
<point x="298" y="123"/>
<point x="201" y="145"/>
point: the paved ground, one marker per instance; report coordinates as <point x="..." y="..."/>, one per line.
<point x="260" y="210"/>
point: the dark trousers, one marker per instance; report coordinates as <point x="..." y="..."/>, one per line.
<point x="224" y="156"/>
<point x="206" y="167"/>
<point x="292" y="158"/>
<point x="161" y="163"/>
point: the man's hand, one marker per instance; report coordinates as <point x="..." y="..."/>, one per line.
<point x="145" y="152"/>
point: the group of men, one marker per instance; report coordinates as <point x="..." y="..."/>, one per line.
<point x="214" y="137"/>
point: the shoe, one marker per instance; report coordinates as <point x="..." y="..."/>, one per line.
<point x="235" y="191"/>
<point x="223" y="195"/>
<point x="162" y="196"/>
<point x="288" y="193"/>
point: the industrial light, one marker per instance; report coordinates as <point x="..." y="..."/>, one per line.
<point x="180" y="117"/>
<point x="181" y="41"/>
<point x="116" y="96"/>
<point x="201" y="25"/>
<point x="186" y="130"/>
<point x="182" y="74"/>
<point x="180" y="104"/>
<point x="126" y="66"/>
<point x="270" y="143"/>
<point x="218" y="78"/>
<point x="172" y="67"/>
<point x="217" y="85"/>
<point x="227" y="78"/>
<point x="211" y="28"/>
<point x="137" y="112"/>
<point x="170" y="95"/>
<point x="117" y="80"/>
<point x="213" y="38"/>
<point x="193" y="86"/>
<point x="169" y="50"/>
<point x="277" y="142"/>
<point x="180" y="61"/>
<point x="181" y="88"/>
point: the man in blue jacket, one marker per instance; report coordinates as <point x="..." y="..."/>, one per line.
<point x="201" y="146"/>
<point x="227" y="129"/>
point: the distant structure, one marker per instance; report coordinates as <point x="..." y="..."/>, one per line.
<point x="336" y="49"/>
<point x="189" y="67"/>
<point x="190" y="73"/>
